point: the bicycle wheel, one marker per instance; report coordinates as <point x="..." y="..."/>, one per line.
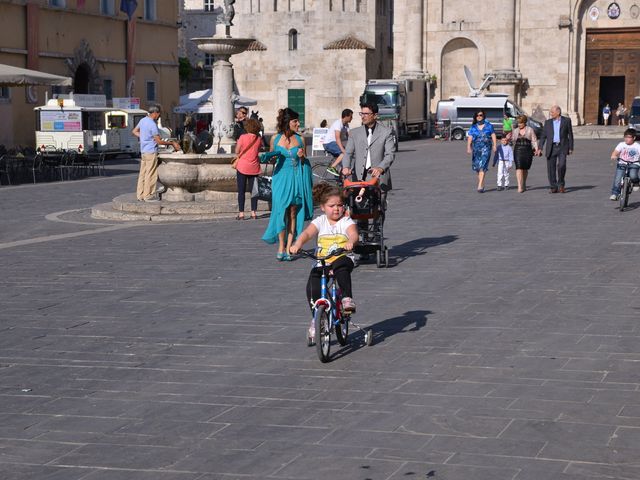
<point x="624" y="193"/>
<point x="319" y="173"/>
<point x="342" y="330"/>
<point x="323" y="334"/>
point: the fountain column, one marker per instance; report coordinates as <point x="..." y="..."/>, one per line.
<point x="223" y="112"/>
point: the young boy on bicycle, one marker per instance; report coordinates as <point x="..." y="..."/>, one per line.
<point x="626" y="153"/>
<point x="333" y="230"/>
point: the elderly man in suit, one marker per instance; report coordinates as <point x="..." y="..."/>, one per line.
<point x="369" y="150"/>
<point x="559" y="133"/>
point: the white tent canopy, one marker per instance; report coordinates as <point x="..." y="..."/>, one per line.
<point x="11" y="76"/>
<point x="200" y="102"/>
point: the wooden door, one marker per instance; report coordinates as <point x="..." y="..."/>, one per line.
<point x="610" y="52"/>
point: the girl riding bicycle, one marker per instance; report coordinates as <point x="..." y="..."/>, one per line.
<point x="333" y="230"/>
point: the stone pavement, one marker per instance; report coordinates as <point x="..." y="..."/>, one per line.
<point x="506" y="338"/>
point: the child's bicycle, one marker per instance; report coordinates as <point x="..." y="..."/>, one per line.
<point x="625" y="188"/>
<point x="328" y="316"/>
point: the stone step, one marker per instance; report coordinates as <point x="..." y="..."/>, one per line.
<point x="127" y="208"/>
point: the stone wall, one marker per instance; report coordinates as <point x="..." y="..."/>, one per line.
<point x="333" y="79"/>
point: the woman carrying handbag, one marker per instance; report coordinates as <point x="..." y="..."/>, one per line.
<point x="247" y="165"/>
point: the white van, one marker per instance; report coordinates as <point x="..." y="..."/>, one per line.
<point x="457" y="113"/>
<point x="85" y="123"/>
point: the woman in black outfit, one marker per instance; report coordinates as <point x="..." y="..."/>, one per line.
<point x="525" y="143"/>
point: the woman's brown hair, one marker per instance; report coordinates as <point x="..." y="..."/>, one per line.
<point x="252" y="126"/>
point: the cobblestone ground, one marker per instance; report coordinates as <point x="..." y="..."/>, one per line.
<point x="506" y="338"/>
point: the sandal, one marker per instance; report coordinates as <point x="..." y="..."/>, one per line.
<point x="240" y="217"/>
<point x="254" y="216"/>
<point x="280" y="256"/>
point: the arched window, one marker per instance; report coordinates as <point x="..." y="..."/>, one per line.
<point x="293" y="39"/>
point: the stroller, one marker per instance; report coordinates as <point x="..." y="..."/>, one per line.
<point x="365" y="205"/>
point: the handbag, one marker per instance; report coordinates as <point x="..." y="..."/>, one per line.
<point x="234" y="162"/>
<point x="262" y="187"/>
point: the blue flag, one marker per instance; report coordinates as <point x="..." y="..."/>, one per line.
<point x="128" y="7"/>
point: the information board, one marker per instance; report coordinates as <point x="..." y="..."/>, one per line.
<point x="318" y="136"/>
<point x="127" y="103"/>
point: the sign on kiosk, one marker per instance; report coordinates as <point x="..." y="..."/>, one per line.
<point x="126" y="103"/>
<point x="61" y="121"/>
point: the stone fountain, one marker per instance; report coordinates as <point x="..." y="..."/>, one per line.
<point x="199" y="186"/>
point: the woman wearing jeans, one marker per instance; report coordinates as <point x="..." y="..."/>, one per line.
<point x="248" y="166"/>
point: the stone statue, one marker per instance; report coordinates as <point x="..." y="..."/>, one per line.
<point x="226" y="13"/>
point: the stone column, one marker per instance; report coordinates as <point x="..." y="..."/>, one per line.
<point x="413" y="34"/>
<point x="507" y="77"/>
<point x="223" y="114"/>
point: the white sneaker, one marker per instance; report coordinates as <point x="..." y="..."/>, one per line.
<point x="312" y="333"/>
<point x="613" y="198"/>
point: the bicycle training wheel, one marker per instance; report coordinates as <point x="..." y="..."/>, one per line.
<point x="342" y="330"/>
<point x="323" y="334"/>
<point x="624" y="193"/>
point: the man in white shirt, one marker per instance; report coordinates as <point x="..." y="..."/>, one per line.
<point x="333" y="139"/>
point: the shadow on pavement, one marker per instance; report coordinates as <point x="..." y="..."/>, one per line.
<point x="385" y="329"/>
<point x="413" y="248"/>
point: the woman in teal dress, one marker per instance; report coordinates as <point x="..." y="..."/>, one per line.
<point x="292" y="201"/>
<point x="481" y="141"/>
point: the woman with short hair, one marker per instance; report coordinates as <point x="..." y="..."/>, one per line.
<point x="525" y="143"/>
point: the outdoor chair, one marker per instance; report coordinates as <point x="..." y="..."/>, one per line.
<point x="4" y="169"/>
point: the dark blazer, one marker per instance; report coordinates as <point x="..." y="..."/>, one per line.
<point x="566" y="136"/>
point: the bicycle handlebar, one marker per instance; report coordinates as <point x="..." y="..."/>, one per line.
<point x="311" y="253"/>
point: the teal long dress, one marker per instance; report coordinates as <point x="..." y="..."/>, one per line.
<point x="291" y="185"/>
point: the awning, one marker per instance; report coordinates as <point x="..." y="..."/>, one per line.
<point x="11" y="76"/>
<point x="200" y="102"/>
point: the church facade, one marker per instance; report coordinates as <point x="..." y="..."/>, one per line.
<point x="316" y="55"/>
<point x="579" y="54"/>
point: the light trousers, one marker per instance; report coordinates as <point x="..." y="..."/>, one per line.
<point x="503" y="173"/>
<point x="148" y="176"/>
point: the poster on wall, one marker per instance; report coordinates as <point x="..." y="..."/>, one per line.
<point x="60" y="121"/>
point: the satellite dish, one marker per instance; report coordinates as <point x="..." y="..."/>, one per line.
<point x="470" y="80"/>
<point x="473" y="90"/>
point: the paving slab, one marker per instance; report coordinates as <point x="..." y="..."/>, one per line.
<point x="505" y="330"/>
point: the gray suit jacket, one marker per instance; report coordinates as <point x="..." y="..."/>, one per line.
<point x="381" y="149"/>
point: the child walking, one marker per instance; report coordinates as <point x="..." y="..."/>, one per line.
<point x="626" y="153"/>
<point x="504" y="159"/>
<point x="333" y="230"/>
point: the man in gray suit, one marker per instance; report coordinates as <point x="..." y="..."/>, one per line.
<point x="369" y="150"/>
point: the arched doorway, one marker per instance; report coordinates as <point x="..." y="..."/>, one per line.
<point x="83" y="67"/>
<point x="81" y="79"/>
<point x="455" y="55"/>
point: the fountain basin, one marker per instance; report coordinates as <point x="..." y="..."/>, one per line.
<point x="223" y="45"/>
